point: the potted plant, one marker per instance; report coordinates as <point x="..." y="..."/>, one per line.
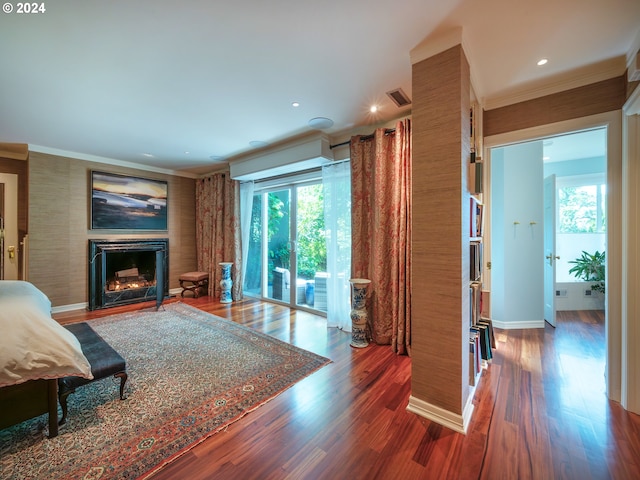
<point x="590" y="268"/>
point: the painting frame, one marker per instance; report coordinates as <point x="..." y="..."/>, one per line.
<point x="127" y="202"/>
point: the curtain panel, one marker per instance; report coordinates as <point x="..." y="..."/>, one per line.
<point x="381" y="230"/>
<point x="218" y="230"/>
<point x="336" y="182"/>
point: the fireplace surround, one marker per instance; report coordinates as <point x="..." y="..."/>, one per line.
<point x="128" y="271"/>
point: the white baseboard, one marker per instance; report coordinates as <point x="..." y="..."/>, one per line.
<point x="518" y="325"/>
<point x="453" y="421"/>
<point x="69" y="308"/>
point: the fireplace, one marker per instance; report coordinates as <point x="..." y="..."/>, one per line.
<point x="128" y="271"/>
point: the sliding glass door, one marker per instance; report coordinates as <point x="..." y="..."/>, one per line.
<point x="287" y="250"/>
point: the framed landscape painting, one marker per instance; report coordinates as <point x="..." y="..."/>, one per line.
<point x="122" y="202"/>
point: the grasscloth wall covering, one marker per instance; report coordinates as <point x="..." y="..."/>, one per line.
<point x="440" y="252"/>
<point x="59" y="205"/>
<point x="600" y="97"/>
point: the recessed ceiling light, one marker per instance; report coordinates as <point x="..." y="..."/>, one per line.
<point x="542" y="61"/>
<point x="320" y="123"/>
<point x="258" y="143"/>
<point x="216" y="158"/>
<point x="148" y="155"/>
<point x="295" y="104"/>
<point x="186" y="153"/>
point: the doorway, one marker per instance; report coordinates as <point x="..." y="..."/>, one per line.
<point x="540" y="233"/>
<point x="613" y="300"/>
<point x="9" y="250"/>
<point x="287" y="258"/>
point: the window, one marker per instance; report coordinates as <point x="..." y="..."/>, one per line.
<point x="581" y="204"/>
<point x="581" y="220"/>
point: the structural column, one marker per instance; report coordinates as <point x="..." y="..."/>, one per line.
<point x="440" y="300"/>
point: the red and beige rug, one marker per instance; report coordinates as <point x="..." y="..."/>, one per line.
<point x="190" y="375"/>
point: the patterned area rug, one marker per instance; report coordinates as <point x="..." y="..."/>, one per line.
<point x="190" y="375"/>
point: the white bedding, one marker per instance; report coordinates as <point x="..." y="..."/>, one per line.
<point x="32" y="344"/>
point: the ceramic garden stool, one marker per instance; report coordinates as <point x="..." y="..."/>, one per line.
<point x="359" y="315"/>
<point x="193" y="282"/>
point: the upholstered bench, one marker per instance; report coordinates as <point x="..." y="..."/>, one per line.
<point x="193" y="282"/>
<point x="104" y="361"/>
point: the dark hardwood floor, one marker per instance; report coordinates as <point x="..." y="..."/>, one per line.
<point x="540" y="411"/>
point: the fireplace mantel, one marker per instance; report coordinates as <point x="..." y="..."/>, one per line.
<point x="146" y="259"/>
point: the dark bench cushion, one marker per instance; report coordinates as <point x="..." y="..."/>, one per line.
<point x="104" y="360"/>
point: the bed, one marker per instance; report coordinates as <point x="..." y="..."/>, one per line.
<point x="35" y="351"/>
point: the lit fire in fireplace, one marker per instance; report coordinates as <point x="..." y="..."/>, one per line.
<point x="128" y="279"/>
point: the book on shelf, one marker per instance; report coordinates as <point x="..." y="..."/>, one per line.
<point x="475" y="175"/>
<point x="485" y="341"/>
<point x="474" y="361"/>
<point x="475" y="260"/>
<point x="475" y="222"/>
<point x="492" y="336"/>
<point x="475" y="291"/>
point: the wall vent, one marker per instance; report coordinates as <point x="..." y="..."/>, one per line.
<point x="561" y="293"/>
<point x="399" y="97"/>
<point x="588" y="293"/>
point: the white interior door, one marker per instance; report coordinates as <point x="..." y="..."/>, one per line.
<point x="550" y="256"/>
<point x="10" y="227"/>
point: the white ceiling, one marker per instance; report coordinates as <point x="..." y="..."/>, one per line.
<point x="576" y="146"/>
<point x="123" y="78"/>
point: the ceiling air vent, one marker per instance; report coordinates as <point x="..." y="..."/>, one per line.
<point x="399" y="97"/>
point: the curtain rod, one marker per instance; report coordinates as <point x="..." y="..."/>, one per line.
<point x="363" y="138"/>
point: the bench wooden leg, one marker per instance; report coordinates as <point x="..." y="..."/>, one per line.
<point x="123" y="379"/>
<point x="62" y="398"/>
<point x="63" y="394"/>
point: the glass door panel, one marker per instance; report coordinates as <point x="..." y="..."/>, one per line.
<point x="287" y="257"/>
<point x="311" y="250"/>
<point x="253" y="274"/>
<point x="277" y="247"/>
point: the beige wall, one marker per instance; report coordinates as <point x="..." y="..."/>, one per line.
<point x="59" y="206"/>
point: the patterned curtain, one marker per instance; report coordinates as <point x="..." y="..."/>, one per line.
<point x="381" y="230"/>
<point x="218" y="230"/>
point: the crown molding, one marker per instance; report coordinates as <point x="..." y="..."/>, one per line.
<point x="111" y="161"/>
<point x="580" y="77"/>
<point x="435" y="44"/>
<point x="634" y="49"/>
<point x="14" y="151"/>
